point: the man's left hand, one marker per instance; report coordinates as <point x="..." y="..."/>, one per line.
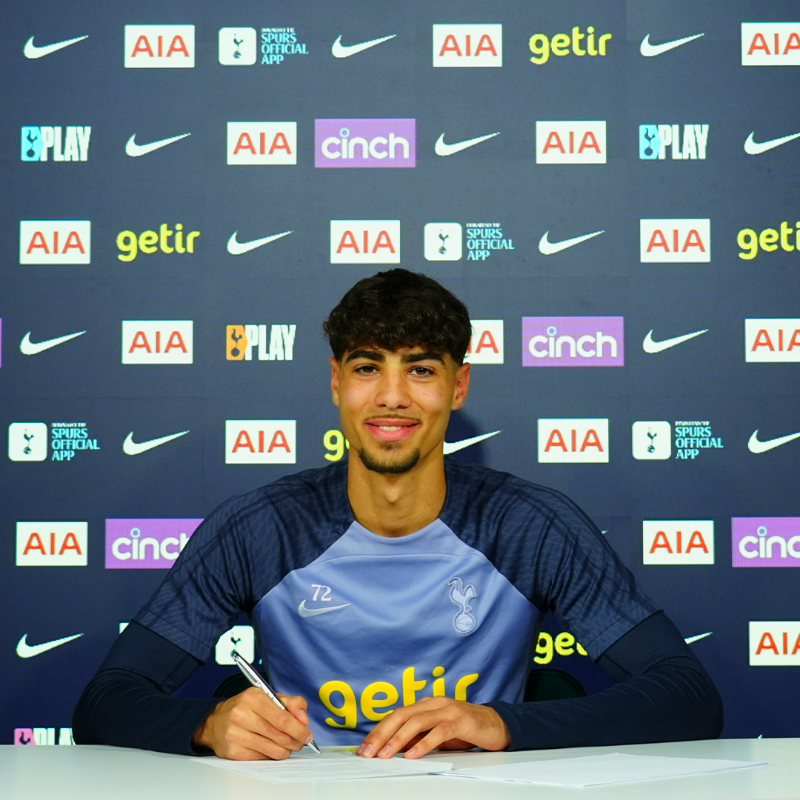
<point x="436" y="722"/>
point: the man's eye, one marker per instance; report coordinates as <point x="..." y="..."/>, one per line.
<point x="422" y="371"/>
<point x="366" y="369"/>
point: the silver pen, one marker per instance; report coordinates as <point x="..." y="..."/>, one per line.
<point x="260" y="683"/>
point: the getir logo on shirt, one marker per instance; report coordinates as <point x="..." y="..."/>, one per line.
<point x="55" y="242"/>
<point x="771" y="340"/>
<point x="467" y="45"/>
<point x="52" y="544"/>
<point x="774" y="644"/>
<point x="486" y="344"/>
<point x="573" y="441"/>
<point x="571" y="142"/>
<point x="260" y="441"/>
<point x="365" y="241"/>
<point x="268" y="143"/>
<point x="678" y="541"/>
<point x="152" y="46"/>
<point x="771" y="44"/>
<point x="667" y="241"/>
<point x="168" y="341"/>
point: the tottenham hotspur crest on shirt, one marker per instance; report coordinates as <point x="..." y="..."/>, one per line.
<point x="464" y="621"/>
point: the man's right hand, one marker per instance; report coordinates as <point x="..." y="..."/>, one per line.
<point x="250" y="726"/>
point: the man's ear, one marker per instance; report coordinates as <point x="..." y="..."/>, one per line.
<point x="461" y="386"/>
<point x="335" y="372"/>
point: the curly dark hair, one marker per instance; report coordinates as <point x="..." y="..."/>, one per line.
<point x="399" y="308"/>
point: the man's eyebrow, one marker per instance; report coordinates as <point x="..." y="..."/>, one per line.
<point x="430" y="355"/>
<point x="372" y="355"/>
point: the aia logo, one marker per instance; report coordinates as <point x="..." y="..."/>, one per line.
<point x="678" y="542"/>
<point x="157" y="341"/>
<point x="55" y="242"/>
<point x="669" y="241"/>
<point x="467" y="45"/>
<point x="52" y="544"/>
<point x="573" y="441"/>
<point x="771" y="340"/>
<point x="571" y="142"/>
<point x="774" y="644"/>
<point x="260" y="441"/>
<point x="771" y="44"/>
<point x="486" y="344"/>
<point x="268" y="343"/>
<point x="170" y="46"/>
<point x="365" y="241"/>
<point x="365" y="143"/>
<point x="268" y="143"/>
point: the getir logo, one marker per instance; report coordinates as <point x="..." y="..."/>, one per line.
<point x="269" y="143"/>
<point x="159" y="46"/>
<point x="365" y="241"/>
<point x="277" y="345"/>
<point x="573" y="441"/>
<point x="678" y="541"/>
<point x="771" y="340"/>
<point x="771" y="44"/>
<point x="365" y="143"/>
<point x="571" y="142"/>
<point x="467" y="45"/>
<point x="260" y="441"/>
<point x="146" y="543"/>
<point x="52" y="544"/>
<point x="55" y="242"/>
<point x="774" y="644"/>
<point x="486" y="344"/>
<point x="689" y="143"/>
<point x="765" y="541"/>
<point x="167" y="341"/>
<point x="38" y="142"/>
<point x="573" y="342"/>
<point x="669" y="241"/>
<point x="751" y="242"/>
<point x="577" y="43"/>
<point x="151" y="241"/>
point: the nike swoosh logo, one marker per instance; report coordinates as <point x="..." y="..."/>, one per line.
<point x="547" y="248"/>
<point x="134" y="150"/>
<point x="312" y="612"/>
<point x="755" y="148"/>
<point x="340" y="50"/>
<point x="442" y="149"/>
<point x="756" y="446"/>
<point x="29" y="348"/>
<point x="649" y="346"/>
<point x="452" y="447"/>
<point x="690" y="639"/>
<point x="649" y="50"/>
<point x="32" y="51"/>
<point x="131" y="448"/>
<point x="25" y="650"/>
<point x="237" y="248"/>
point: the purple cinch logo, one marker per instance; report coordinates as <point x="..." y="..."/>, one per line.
<point x="573" y="341"/>
<point x="765" y="541"/>
<point x="146" y="543"/>
<point x="365" y="143"/>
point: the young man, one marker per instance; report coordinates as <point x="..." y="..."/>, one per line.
<point x="396" y="595"/>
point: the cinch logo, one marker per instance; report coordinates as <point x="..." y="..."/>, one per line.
<point x="766" y="541"/>
<point x="146" y="543"/>
<point x="571" y="142"/>
<point x="678" y="542"/>
<point x="573" y="441"/>
<point x="365" y="241"/>
<point x="159" y="46"/>
<point x="467" y="45"/>
<point x="655" y="139"/>
<point x="260" y="441"/>
<point x="41" y="736"/>
<point x="72" y="146"/>
<point x="277" y="345"/>
<point x="486" y="344"/>
<point x="55" y="241"/>
<point x="157" y="341"/>
<point x="27" y="441"/>
<point x="770" y="44"/>
<point x="573" y="341"/>
<point x="665" y="241"/>
<point x="262" y="142"/>
<point x="52" y="544"/>
<point x="771" y="340"/>
<point x="562" y="44"/>
<point x="774" y="644"/>
<point x="151" y="241"/>
<point x="749" y="240"/>
<point x="365" y="143"/>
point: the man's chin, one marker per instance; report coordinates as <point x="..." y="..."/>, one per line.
<point x="389" y="463"/>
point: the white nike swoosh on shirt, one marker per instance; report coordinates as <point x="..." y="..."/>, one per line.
<point x="32" y="51"/>
<point x="442" y="149"/>
<point x="29" y="348"/>
<point x="134" y="150"/>
<point x="649" y="50"/>
<point x="25" y="650"/>
<point x="452" y="447"/>
<point x="237" y="248"/>
<point x="340" y="50"/>
<point x="756" y="446"/>
<point x="755" y="148"/>
<point x="649" y="346"/>
<point x="690" y="639"/>
<point x="131" y="448"/>
<point x="312" y="612"/>
<point x="547" y="248"/>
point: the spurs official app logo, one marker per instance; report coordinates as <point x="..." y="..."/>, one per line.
<point x="668" y="241"/>
<point x="678" y="542"/>
<point x="774" y="644"/>
<point x="765" y="541"/>
<point x="486" y="344"/>
<point x="131" y="245"/>
<point x="771" y="44"/>
<point x="467" y="45"/>
<point x="262" y="142"/>
<point x="576" y="43"/>
<point x="27" y="441"/>
<point x="146" y="543"/>
<point x="55" y="242"/>
<point x="485" y="239"/>
<point x="260" y="441"/>
<point x="159" y="46"/>
<point x="237" y="46"/>
<point x="652" y="440"/>
<point x="45" y="143"/>
<point x="462" y="596"/>
<point x="43" y="736"/>
<point x="571" y="142"/>
<point x="443" y="241"/>
<point x="771" y="340"/>
<point x="751" y="243"/>
<point x="365" y="241"/>
<point x="573" y="441"/>
<point x="573" y="342"/>
<point x="241" y="46"/>
<point x="365" y="143"/>
<point x="157" y="341"/>
<point x="677" y="142"/>
<point x="243" y="341"/>
<point x="52" y="544"/>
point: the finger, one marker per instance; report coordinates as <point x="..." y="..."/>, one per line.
<point x="297" y="706"/>
<point x="283" y="722"/>
<point x="409" y="732"/>
<point x="382" y="732"/>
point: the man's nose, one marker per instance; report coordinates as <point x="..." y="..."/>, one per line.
<point x="393" y="392"/>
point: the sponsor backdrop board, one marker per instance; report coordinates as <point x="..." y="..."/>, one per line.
<point x="189" y="188"/>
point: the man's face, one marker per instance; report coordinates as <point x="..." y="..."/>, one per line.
<point x="395" y="405"/>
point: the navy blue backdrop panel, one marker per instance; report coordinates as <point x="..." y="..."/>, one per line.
<point x="189" y="188"/>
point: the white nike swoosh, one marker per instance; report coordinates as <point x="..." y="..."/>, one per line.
<point x="312" y="612"/>
<point x="237" y="248"/>
<point x="134" y="150"/>
<point x="29" y="348"/>
<point x="548" y="248"/>
<point x="452" y="447"/>
<point x="340" y="50"/>
<point x="755" y="446"/>
<point x="32" y="51"/>
<point x="690" y="639"/>
<point x="131" y="448"/>
<point x="754" y="148"/>
<point x="442" y="149"/>
<point x="649" y="50"/>
<point x="25" y="650"/>
<point x="649" y="346"/>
